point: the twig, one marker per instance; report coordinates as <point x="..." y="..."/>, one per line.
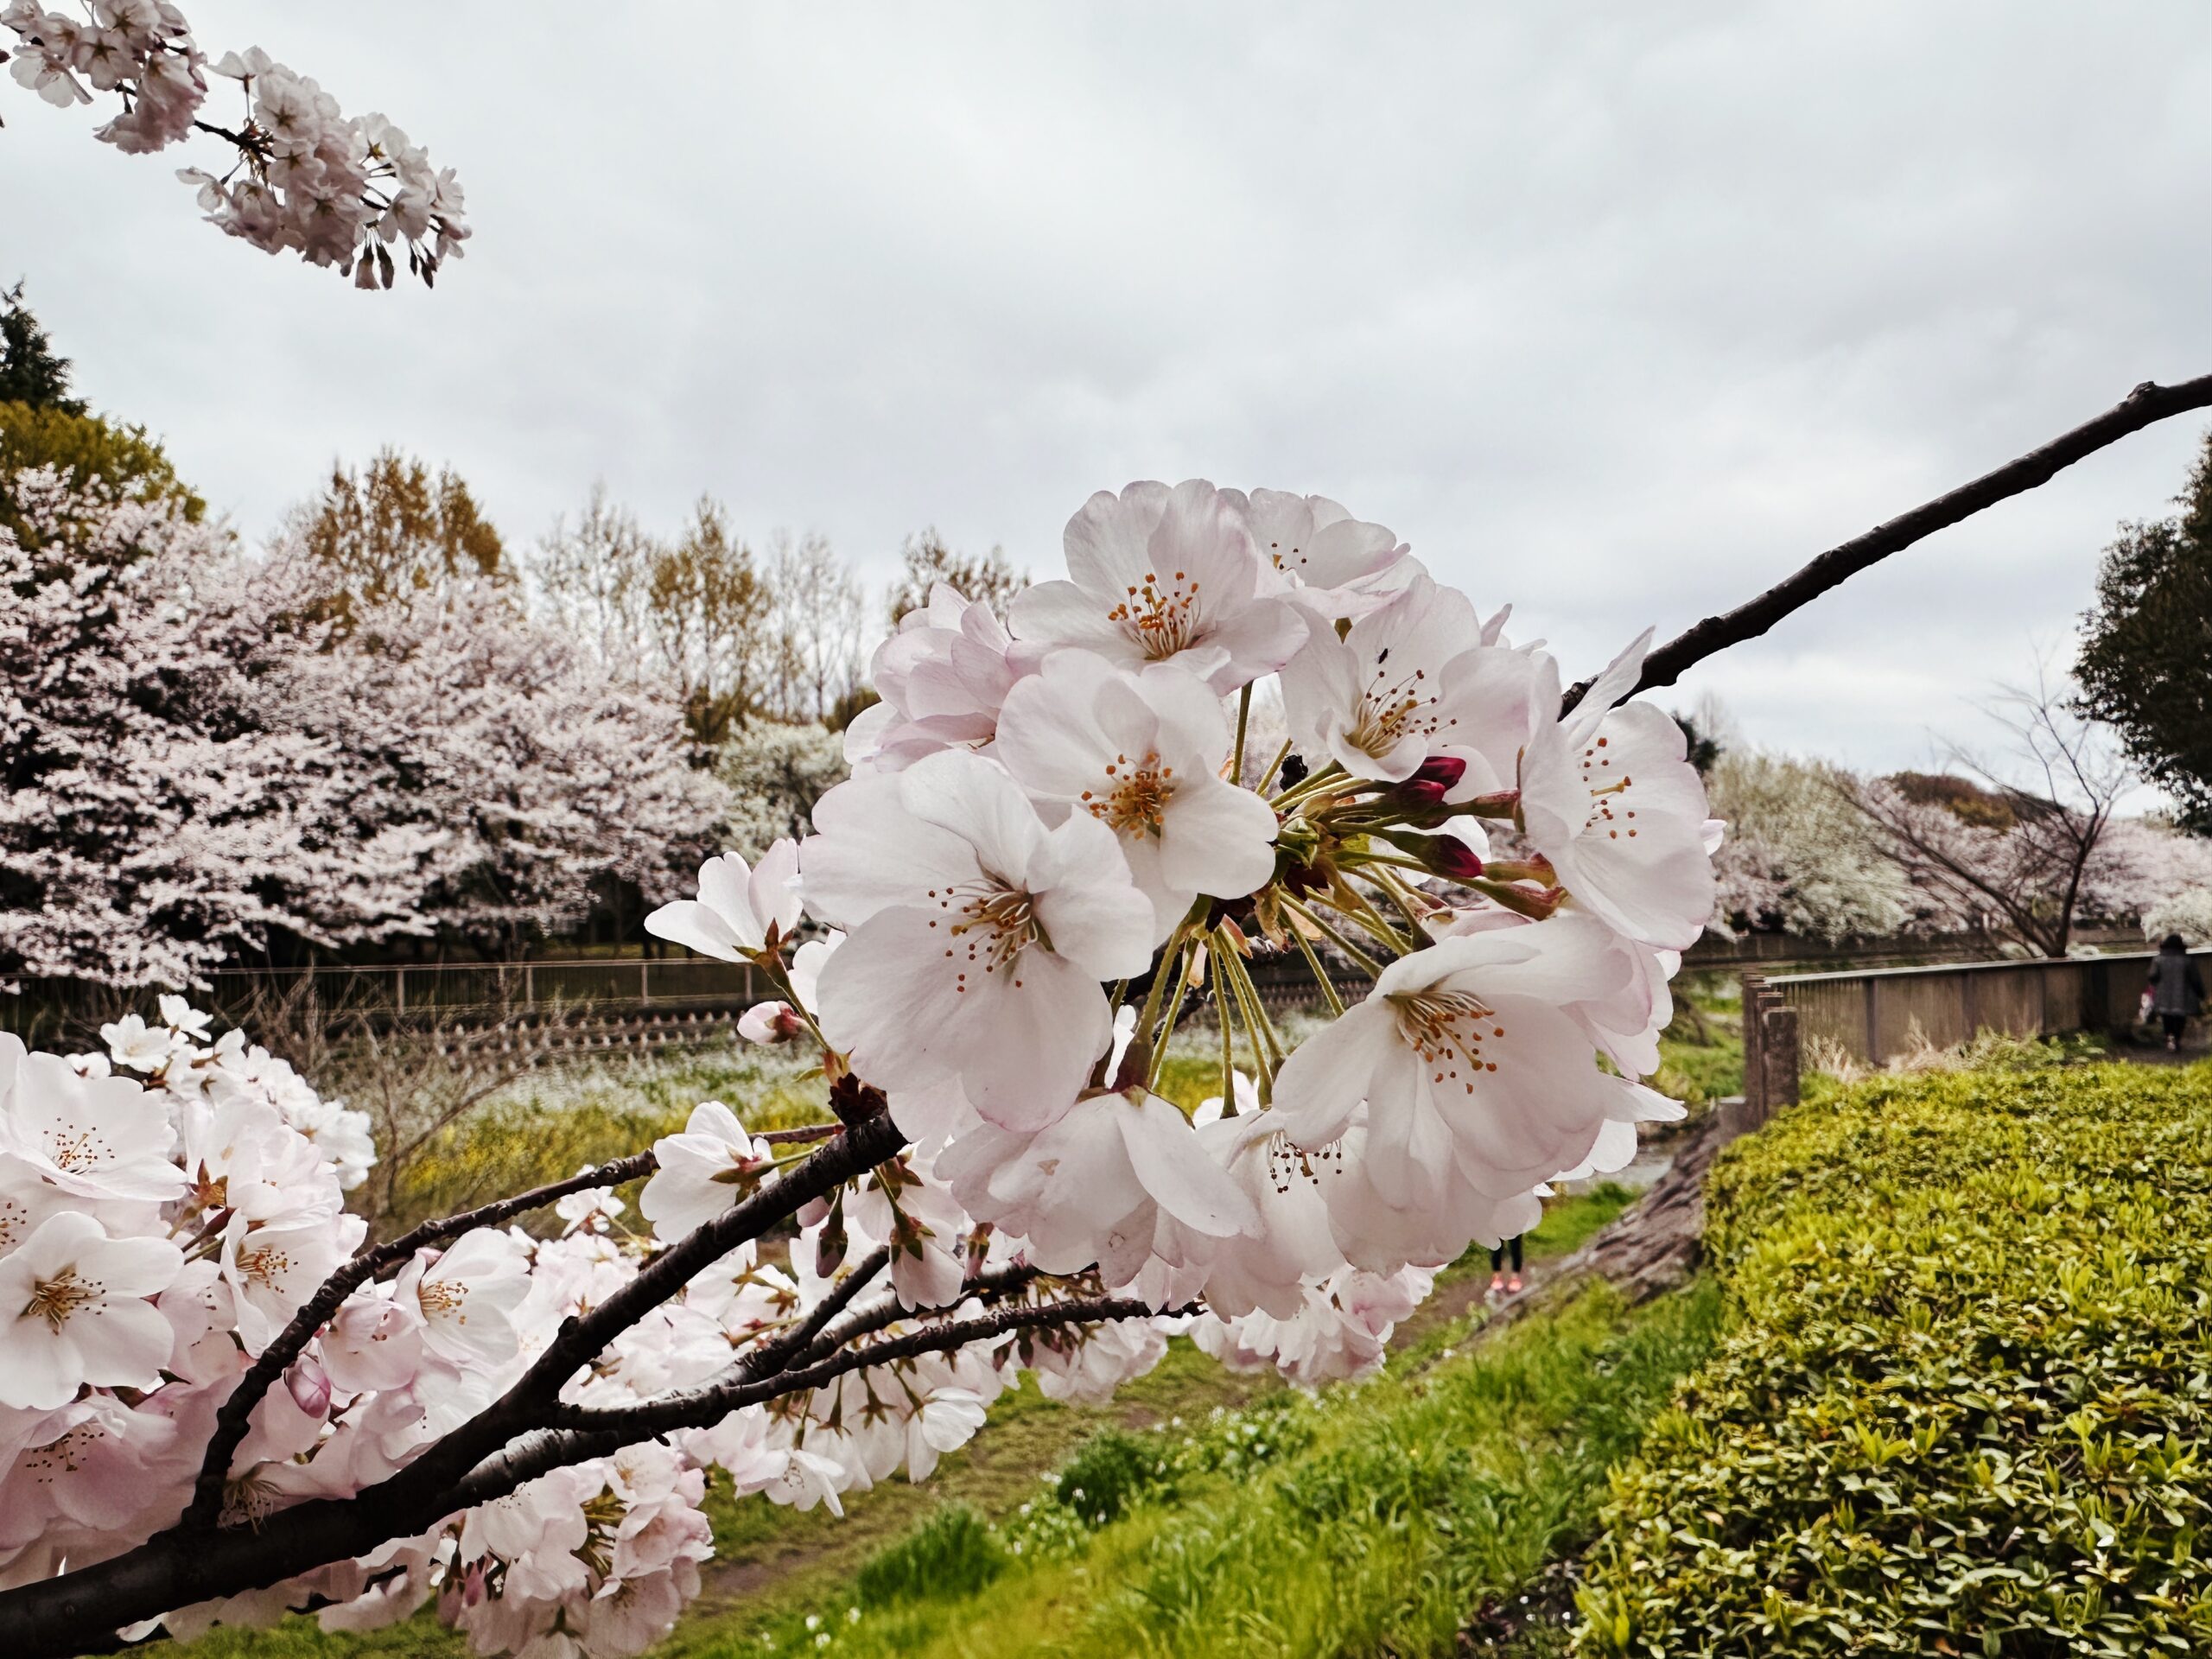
<point x="2146" y="406"/>
<point x="700" y="1407"/>
<point x="233" y="1420"/>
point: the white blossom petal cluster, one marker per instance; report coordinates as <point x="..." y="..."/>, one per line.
<point x="340" y="191"/>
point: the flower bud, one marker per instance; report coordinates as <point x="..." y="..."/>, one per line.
<point x="1444" y="769"/>
<point x="1447" y="855"/>
<point x="309" y="1385"/>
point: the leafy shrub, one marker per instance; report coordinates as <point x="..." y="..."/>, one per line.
<point x="1112" y="1471"/>
<point x="1963" y="1404"/>
<point x="952" y="1553"/>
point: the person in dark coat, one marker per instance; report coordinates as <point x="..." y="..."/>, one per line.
<point x="2176" y="988"/>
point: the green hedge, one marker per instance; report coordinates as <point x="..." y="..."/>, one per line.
<point x="1963" y="1406"/>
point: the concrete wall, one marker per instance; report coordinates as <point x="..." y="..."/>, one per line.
<point x="1872" y="1013"/>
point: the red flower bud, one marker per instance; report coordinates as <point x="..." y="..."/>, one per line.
<point x="1443" y="770"/>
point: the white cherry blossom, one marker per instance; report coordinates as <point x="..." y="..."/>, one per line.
<point x="1160" y="575"/>
<point x="75" y="1309"/>
<point x="1329" y="562"/>
<point x="1410" y="680"/>
<point x="978" y="937"/>
<point x="702" y="1171"/>
<point x="1609" y="797"/>
<point x="1142" y="753"/>
<point x="468" y="1296"/>
<point x="1118" y="1180"/>
<point x="943" y="677"/>
<point x="97" y="1137"/>
<point x="1466" y="1064"/>
<point x="739" y="908"/>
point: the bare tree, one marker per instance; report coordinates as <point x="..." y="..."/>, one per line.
<point x="695" y="612"/>
<point x="2008" y="847"/>
<point x="820" y="619"/>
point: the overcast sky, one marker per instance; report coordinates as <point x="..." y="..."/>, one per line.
<point x="1618" y="312"/>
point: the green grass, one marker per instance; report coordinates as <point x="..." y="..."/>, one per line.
<point x="549" y="1123"/>
<point x="1374" y="1519"/>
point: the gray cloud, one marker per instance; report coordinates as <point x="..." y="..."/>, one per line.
<point x="1615" y="312"/>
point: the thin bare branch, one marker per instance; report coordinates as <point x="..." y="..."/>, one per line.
<point x="2146" y="406"/>
<point x="698" y="1408"/>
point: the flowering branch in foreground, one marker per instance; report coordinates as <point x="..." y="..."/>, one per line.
<point x="337" y="190"/>
<point x="1052" y="848"/>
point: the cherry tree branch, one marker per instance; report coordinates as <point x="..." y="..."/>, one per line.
<point x="54" y="1618"/>
<point x="233" y="1422"/>
<point x="2146" y="406"/>
<point x="698" y="1408"/>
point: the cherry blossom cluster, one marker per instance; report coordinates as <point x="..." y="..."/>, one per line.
<point x="337" y="190"/>
<point x="169" y="1206"/>
<point x="1053" y="830"/>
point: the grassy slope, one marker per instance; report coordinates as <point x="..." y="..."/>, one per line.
<point x="1416" y="1498"/>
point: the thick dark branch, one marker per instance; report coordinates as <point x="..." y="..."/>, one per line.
<point x="770" y="1356"/>
<point x="698" y="1408"/>
<point x="2146" y="406"/>
<point x="233" y="1420"/>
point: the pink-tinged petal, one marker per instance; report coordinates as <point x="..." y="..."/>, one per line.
<point x="868" y="852"/>
<point x="724" y="884"/>
<point x="1049" y="735"/>
<point x="1328" y="1074"/>
<point x="965" y="794"/>
<point x="1109" y="541"/>
<point x="773" y="891"/>
<point x="1616" y="681"/>
<point x="1190" y="715"/>
<point x="1164" y="1151"/>
<point x="891" y="997"/>
<point x="1037" y="1029"/>
<point x="1088" y="908"/>
<point x="1259" y="639"/>
<point x="135" y="1266"/>
<point x="41" y="1370"/>
<point x="1217" y="839"/>
<point x="123" y="1346"/>
<point x="1061" y="613"/>
<point x="692" y="925"/>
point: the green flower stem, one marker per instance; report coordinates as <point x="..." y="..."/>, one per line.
<point x="1334" y="937"/>
<point x="1320" y="974"/>
<point x="1174" y="1012"/>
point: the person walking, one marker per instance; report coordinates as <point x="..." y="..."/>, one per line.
<point x="2176" y="988"/>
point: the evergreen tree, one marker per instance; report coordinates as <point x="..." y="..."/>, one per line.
<point x="2145" y="664"/>
<point x="30" y="372"/>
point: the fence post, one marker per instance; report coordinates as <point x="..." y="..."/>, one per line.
<point x="529" y="988"/>
<point x="399" y="990"/>
<point x="1754" y="1077"/>
<point x="644" y="991"/>
<point x="1779" y="1057"/>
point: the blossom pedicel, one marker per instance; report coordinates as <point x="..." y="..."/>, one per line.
<point x="1054" y="846"/>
